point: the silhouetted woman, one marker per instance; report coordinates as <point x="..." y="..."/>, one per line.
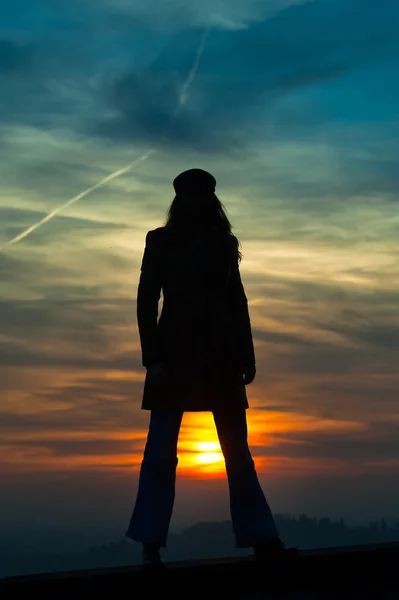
<point x="199" y="357"/>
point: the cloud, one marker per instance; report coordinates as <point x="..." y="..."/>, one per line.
<point x="15" y="220"/>
<point x="293" y="108"/>
<point x="82" y="332"/>
<point x="307" y="45"/>
<point x="15" y="58"/>
<point x="70" y="448"/>
<point x="377" y="443"/>
<point x="142" y="101"/>
<point x="237" y="101"/>
<point x="182" y="14"/>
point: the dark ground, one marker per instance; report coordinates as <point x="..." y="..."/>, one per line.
<point x="360" y="572"/>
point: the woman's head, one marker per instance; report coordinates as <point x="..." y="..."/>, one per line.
<point x="194" y="179"/>
<point x="196" y="205"/>
<point x="195" y="200"/>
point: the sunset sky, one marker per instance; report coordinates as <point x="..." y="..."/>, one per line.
<point x="293" y="107"/>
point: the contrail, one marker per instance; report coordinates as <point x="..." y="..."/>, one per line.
<point x="55" y="212"/>
<point x="181" y="102"/>
<point x="192" y="74"/>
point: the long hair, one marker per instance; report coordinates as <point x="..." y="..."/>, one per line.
<point x="214" y="219"/>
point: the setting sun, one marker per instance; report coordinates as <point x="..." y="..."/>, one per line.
<point x="209" y="457"/>
<point x="209" y="453"/>
<point x="199" y="449"/>
<point x="208" y="446"/>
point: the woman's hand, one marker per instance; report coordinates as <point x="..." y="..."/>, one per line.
<point x="247" y="374"/>
<point x="157" y="374"/>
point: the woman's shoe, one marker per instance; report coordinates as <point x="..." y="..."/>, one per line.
<point x="151" y="558"/>
<point x="271" y="549"/>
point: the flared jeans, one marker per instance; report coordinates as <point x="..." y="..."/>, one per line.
<point x="251" y="516"/>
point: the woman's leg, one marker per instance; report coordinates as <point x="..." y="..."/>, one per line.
<point x="252" y="519"/>
<point x="156" y="492"/>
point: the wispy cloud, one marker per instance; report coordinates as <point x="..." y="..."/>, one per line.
<point x="293" y="107"/>
<point x="182" y="99"/>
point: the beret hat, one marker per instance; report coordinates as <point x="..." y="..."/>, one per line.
<point x="194" y="180"/>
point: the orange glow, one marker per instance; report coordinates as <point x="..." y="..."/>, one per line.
<point x="209" y="453"/>
<point x="208" y="446"/>
<point x="199" y="449"/>
<point x="76" y="442"/>
<point x="209" y="457"/>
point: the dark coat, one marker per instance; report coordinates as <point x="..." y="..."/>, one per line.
<point x="203" y="335"/>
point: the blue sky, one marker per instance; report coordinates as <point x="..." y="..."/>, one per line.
<point x="293" y="108"/>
